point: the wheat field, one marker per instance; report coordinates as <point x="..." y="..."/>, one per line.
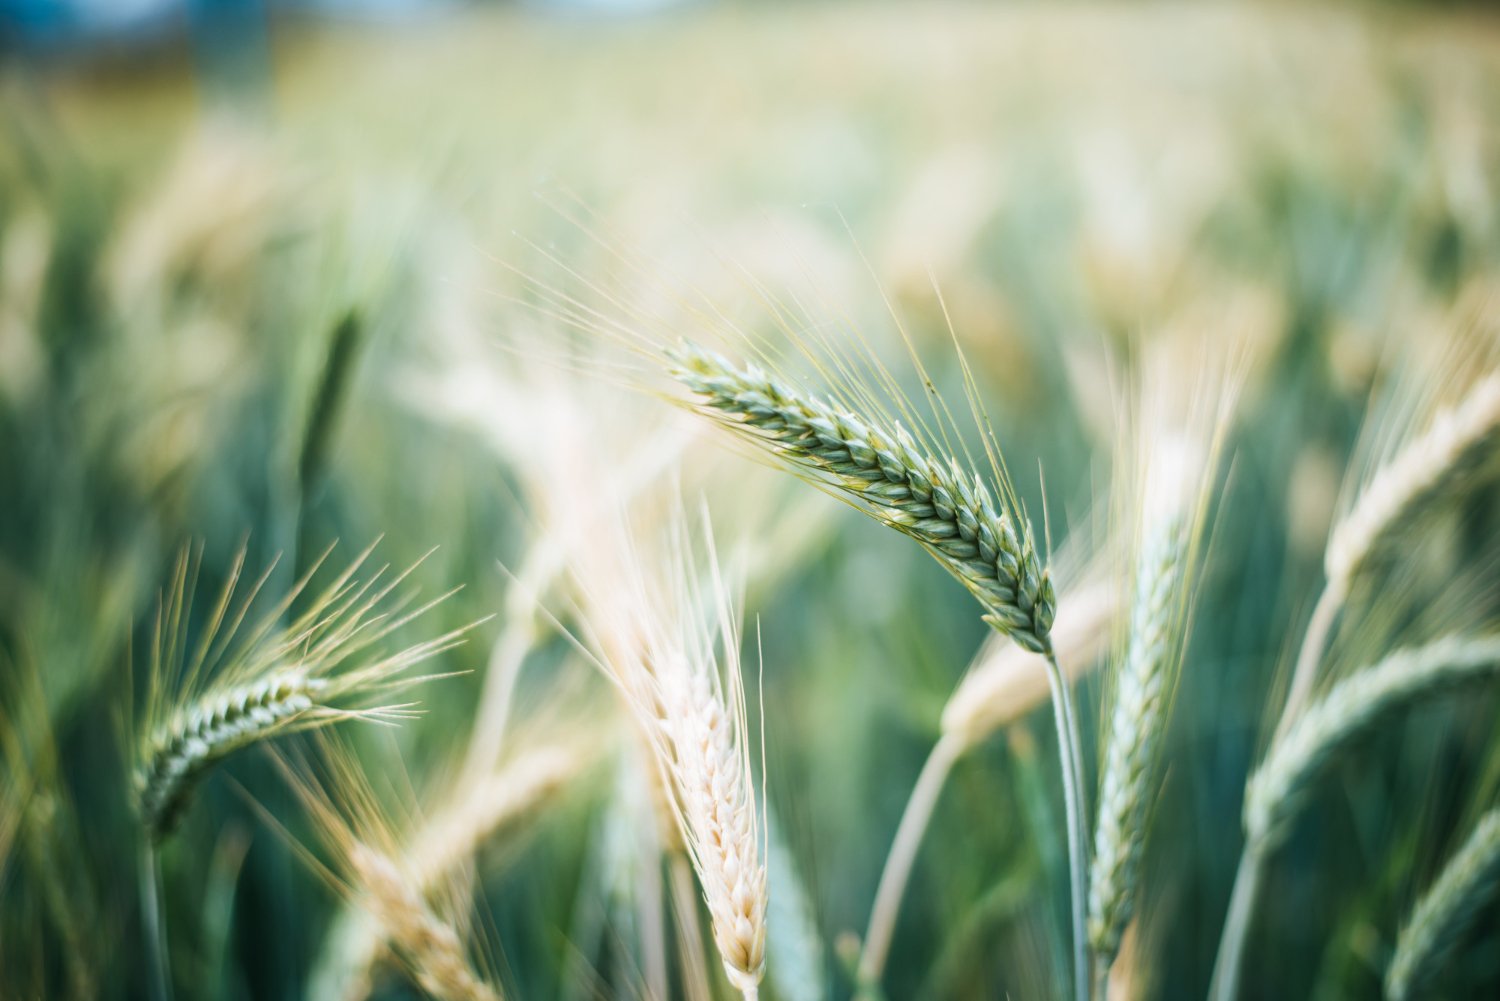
<point x="802" y="503"/>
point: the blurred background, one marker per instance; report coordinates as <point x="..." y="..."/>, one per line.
<point x="258" y="287"/>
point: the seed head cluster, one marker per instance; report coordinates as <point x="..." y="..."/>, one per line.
<point x="719" y="816"/>
<point x="892" y="477"/>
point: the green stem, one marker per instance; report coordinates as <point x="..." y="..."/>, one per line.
<point x="1070" y="754"/>
<point x="154" y="927"/>
<point x="903" y="853"/>
<point x="1226" y="980"/>
<point x="1242" y="899"/>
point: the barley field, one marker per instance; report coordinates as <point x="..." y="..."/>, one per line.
<point x="798" y="502"/>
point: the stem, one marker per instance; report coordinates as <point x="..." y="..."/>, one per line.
<point x="903" y="853"/>
<point x="1310" y="655"/>
<point x="501" y="673"/>
<point x="1225" y="984"/>
<point x="695" y="981"/>
<point x="1068" y="748"/>
<point x="1226" y="980"/>
<point x="156" y="932"/>
<point x="1101" y="979"/>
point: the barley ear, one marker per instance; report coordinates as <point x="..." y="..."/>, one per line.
<point x="1447" y="912"/>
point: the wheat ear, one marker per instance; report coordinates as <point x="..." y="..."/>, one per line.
<point x="1460" y="440"/>
<point x="1277" y="789"/>
<point x="235" y="690"/>
<point x="480" y="809"/>
<point x="212" y="729"/>
<point x="1447" y="912"/>
<point x="711" y="774"/>
<point x="1137" y="719"/>
<point x="430" y="947"/>
<point x="884" y="471"/>
<point x="887" y="474"/>
<point x="1416" y="480"/>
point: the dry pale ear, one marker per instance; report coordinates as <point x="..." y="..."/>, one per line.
<point x="479" y="809"/>
<point x="658" y="619"/>
<point x="429" y="947"/>
<point x="1447" y="912"/>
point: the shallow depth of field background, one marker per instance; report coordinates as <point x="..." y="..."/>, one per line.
<point x="188" y="211"/>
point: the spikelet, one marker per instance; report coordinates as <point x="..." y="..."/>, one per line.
<point x="240" y="687"/>
<point x="1447" y="912"/>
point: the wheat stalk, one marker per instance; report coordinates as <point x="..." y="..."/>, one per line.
<point x="1007" y="681"/>
<point x="280" y="677"/>
<point x="1137" y="719"/>
<point x="710" y="770"/>
<point x="212" y="729"/>
<point x="479" y="810"/>
<point x="1350" y="709"/>
<point x="1458" y="442"/>
<point x="888" y="474"/>
<point x="1416" y="481"/>
<point x="429" y="946"/>
<point x="950" y="511"/>
<point x="1447" y="912"/>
